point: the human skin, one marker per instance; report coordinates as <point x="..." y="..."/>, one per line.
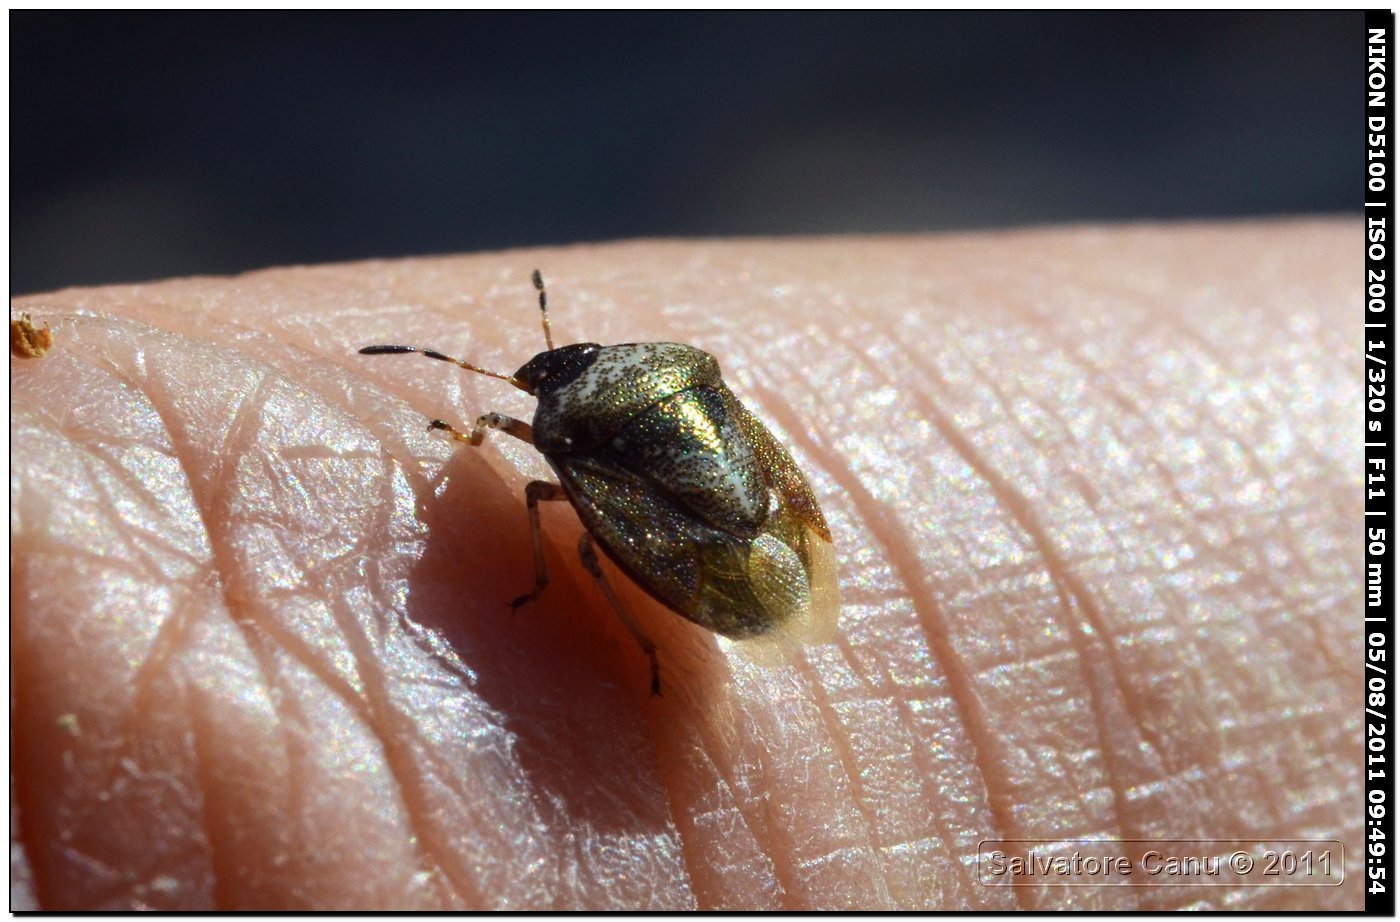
<point x="1095" y="495"/>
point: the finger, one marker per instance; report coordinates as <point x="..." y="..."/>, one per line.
<point x="1017" y="594"/>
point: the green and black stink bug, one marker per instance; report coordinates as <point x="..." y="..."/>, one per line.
<point x="679" y="483"/>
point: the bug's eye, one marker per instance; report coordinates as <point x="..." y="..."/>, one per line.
<point x="554" y="369"/>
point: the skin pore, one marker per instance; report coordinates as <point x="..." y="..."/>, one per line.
<point x="1095" y="495"/>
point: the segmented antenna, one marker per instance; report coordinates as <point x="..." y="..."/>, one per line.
<point x="544" y="309"/>
<point x="434" y="354"/>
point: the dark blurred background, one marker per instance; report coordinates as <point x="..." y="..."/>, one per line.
<point x="147" y="145"/>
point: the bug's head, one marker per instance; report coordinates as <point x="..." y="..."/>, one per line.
<point x="553" y="369"/>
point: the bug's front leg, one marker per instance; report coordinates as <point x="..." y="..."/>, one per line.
<point x="536" y="492"/>
<point x="590" y="563"/>
<point x="507" y="424"/>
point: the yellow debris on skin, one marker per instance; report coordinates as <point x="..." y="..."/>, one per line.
<point x="28" y="341"/>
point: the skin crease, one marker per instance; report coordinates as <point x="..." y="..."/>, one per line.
<point x="1095" y="495"/>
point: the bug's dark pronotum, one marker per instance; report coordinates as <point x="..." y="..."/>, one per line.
<point x="683" y="488"/>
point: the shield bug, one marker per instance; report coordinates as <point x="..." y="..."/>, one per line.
<point x="683" y="488"/>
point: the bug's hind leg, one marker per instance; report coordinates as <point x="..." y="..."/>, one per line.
<point x="536" y="492"/>
<point x="590" y="563"/>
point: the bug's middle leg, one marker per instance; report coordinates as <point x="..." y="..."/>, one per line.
<point x="507" y="424"/>
<point x="536" y="492"/>
<point x="590" y="563"/>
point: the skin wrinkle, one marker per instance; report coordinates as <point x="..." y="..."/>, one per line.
<point x="901" y="703"/>
<point x="889" y="690"/>
<point x="794" y="843"/>
<point x="941" y="837"/>
<point x="131" y="483"/>
<point x="846" y="759"/>
<point x="394" y="735"/>
<point x="136" y="548"/>
<point x="709" y="819"/>
<point x="214" y="508"/>
<point x="239" y="439"/>
<point x="1194" y="514"/>
<point x="358" y="702"/>
<point x="1071" y="350"/>
<point x="1124" y="689"/>
<point x="711" y="741"/>
<point x="788" y="853"/>
<point x="1256" y="465"/>
<point x="1092" y="497"/>
<point x="176" y="628"/>
<point x="757" y="815"/>
<point x="1184" y="330"/>
<point x="785" y="419"/>
<point x="560" y="871"/>
<point x="884" y="849"/>
<point x="1296" y="555"/>
<point x="1197" y="602"/>
<point x="222" y="852"/>
<point x="425" y="839"/>
<point x="898" y="549"/>
<point x="370" y="704"/>
<point x="1259" y="468"/>
<point x="172" y="631"/>
<point x="752" y="819"/>
<point x="1074" y="596"/>
<point x="942" y="833"/>
<point x="384" y="720"/>
<point x="23" y="834"/>
<point x="1221" y="359"/>
<point x="1014" y="504"/>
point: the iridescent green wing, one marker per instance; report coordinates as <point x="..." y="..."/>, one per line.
<point x="778" y="576"/>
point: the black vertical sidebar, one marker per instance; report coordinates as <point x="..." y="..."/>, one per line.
<point x="1379" y="824"/>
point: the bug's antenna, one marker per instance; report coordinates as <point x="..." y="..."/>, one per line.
<point x="544" y="308"/>
<point x="434" y="354"/>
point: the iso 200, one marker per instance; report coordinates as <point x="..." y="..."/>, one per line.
<point x="1292" y="864"/>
